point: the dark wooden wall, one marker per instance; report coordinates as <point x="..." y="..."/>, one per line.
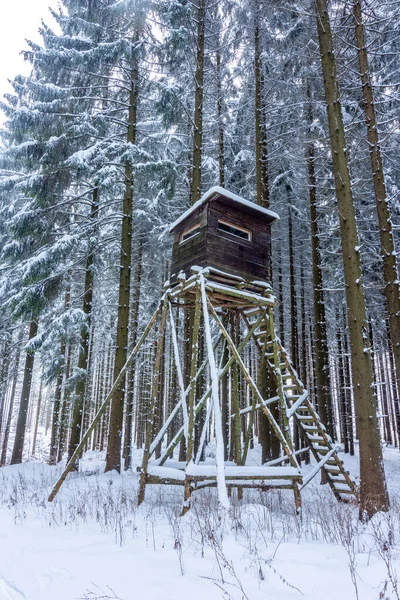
<point x="215" y="248"/>
<point x="193" y="251"/>
<point x="249" y="259"/>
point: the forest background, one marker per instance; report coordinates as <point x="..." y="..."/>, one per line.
<point x="130" y="112"/>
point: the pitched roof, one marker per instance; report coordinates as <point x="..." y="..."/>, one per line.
<point x="263" y="213"/>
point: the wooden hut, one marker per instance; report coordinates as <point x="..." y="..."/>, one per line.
<point x="226" y="232"/>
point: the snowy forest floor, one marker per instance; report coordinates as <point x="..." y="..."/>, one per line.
<point x="93" y="542"/>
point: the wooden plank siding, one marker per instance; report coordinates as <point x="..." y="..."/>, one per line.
<point x="221" y="250"/>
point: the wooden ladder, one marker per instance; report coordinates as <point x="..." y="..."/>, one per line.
<point x="299" y="408"/>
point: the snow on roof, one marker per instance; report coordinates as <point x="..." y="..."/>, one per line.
<point x="227" y="194"/>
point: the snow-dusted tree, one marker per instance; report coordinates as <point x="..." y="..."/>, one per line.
<point x="373" y="487"/>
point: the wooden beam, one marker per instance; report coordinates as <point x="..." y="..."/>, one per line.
<point x="103" y="407"/>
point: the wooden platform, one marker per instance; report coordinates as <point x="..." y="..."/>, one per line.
<point x="205" y="475"/>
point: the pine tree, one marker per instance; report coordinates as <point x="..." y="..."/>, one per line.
<point x="373" y="493"/>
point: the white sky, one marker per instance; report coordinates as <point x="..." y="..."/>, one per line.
<point x="19" y="20"/>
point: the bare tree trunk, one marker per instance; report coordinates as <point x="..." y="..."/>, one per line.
<point x="385" y="403"/>
<point x="262" y="183"/>
<point x="12" y="396"/>
<point x="113" y="460"/>
<point x="36" y="427"/>
<point x="221" y="133"/>
<point x="198" y="104"/>
<point x="280" y="301"/>
<point x="373" y="492"/>
<point x="393" y="383"/>
<point x="55" y="426"/>
<point x="5" y="368"/>
<point x="83" y="356"/>
<point x="322" y="373"/>
<point x="344" y="424"/>
<point x="65" y="409"/>
<point x="137" y="280"/>
<point x="390" y="269"/>
<point x="293" y="298"/>
<point x="24" y="402"/>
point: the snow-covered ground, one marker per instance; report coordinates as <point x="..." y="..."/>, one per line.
<point x="93" y="542"/>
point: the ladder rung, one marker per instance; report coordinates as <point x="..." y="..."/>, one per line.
<point x="347" y="491"/>
<point x="334" y="480"/>
<point x="321" y="449"/>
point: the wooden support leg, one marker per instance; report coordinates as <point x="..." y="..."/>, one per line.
<point x="186" y="497"/>
<point x="153" y="401"/>
<point x="104" y="406"/>
<point x="297" y="498"/>
<point x="192" y="397"/>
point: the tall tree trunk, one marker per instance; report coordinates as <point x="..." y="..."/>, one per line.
<point x="293" y="310"/>
<point x="323" y="381"/>
<point x="83" y="357"/>
<point x="65" y="406"/>
<point x="393" y="383"/>
<point x="131" y="371"/>
<point x="55" y="425"/>
<point x="24" y="402"/>
<point x="342" y="403"/>
<point x="198" y="104"/>
<point x="280" y="301"/>
<point x="113" y="460"/>
<point x="385" y="400"/>
<point x="373" y="492"/>
<point x="221" y="134"/>
<point x="262" y="183"/>
<point x="4" y="379"/>
<point x="390" y="270"/>
<point x="36" y="426"/>
<point x="293" y="298"/>
<point x="12" y="396"/>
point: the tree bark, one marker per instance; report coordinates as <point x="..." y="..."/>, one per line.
<point x="83" y="357"/>
<point x="134" y="329"/>
<point x="198" y="104"/>
<point x="24" y="403"/>
<point x="221" y="133"/>
<point x="322" y="373"/>
<point x="4" y="379"/>
<point x="262" y="183"/>
<point x="113" y="460"/>
<point x="373" y="492"/>
<point x="12" y="396"/>
<point x="36" y="426"/>
<point x="388" y="250"/>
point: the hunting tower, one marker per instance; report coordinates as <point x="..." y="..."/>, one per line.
<point x="221" y="377"/>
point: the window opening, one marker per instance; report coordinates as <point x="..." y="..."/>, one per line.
<point x="226" y="227"/>
<point x="189" y="233"/>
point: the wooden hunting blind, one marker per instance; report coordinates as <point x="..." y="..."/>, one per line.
<point x="226" y="232"/>
<point x="221" y="375"/>
<point x="216" y="320"/>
